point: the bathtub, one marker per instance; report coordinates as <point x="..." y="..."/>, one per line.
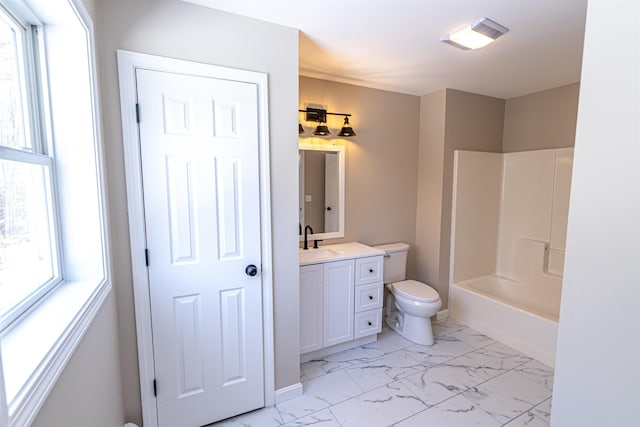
<point x="519" y="315"/>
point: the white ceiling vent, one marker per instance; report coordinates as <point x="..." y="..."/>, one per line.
<point x="477" y="35"/>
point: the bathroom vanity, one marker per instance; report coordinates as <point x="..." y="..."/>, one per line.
<point x="341" y="291"/>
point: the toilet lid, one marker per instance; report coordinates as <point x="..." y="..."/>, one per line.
<point x="416" y="290"/>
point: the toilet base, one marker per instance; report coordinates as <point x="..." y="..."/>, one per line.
<point x="415" y="329"/>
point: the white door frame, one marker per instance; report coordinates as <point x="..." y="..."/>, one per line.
<point x="128" y="62"/>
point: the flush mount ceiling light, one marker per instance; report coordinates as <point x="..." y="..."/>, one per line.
<point x="475" y="36"/>
<point x="320" y="115"/>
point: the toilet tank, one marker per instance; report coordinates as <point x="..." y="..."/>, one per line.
<point x="395" y="261"/>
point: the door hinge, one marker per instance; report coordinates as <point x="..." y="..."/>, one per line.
<point x="146" y="257"/>
<point x="137" y="112"/>
<point x="155" y="388"/>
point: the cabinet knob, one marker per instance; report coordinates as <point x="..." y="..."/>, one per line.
<point x="371" y="270"/>
<point x="371" y="297"/>
<point x="370" y="323"/>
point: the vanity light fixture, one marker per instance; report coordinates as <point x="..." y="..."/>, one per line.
<point x="477" y="35"/>
<point x="320" y="115"/>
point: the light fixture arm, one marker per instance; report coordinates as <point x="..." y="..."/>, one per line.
<point x="319" y="115"/>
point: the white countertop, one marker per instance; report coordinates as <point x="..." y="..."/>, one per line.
<point x="338" y="252"/>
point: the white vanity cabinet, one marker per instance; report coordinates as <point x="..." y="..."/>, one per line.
<point x="340" y="300"/>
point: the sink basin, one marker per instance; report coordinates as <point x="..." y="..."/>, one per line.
<point x="321" y="254"/>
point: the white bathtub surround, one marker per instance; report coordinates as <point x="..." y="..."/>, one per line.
<point x="464" y="379"/>
<point x="508" y="239"/>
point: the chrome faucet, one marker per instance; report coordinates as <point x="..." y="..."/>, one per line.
<point x="306" y="242"/>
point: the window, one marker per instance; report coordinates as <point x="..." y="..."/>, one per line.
<point x="53" y="247"/>
<point x="28" y="262"/>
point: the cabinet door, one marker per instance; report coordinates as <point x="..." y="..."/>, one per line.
<point x="311" y="307"/>
<point x="338" y="302"/>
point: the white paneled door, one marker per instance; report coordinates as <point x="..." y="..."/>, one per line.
<point x="200" y="171"/>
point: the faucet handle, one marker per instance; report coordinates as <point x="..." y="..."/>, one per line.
<point x="315" y="244"/>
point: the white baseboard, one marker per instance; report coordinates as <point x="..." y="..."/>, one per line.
<point x="442" y="315"/>
<point x="288" y="393"/>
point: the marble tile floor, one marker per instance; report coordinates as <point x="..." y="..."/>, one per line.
<point x="465" y="379"/>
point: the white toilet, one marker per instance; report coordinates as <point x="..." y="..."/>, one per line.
<point x="410" y="304"/>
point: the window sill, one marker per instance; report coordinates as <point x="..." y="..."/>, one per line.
<point x="36" y="350"/>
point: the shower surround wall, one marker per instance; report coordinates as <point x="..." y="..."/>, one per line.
<point x="508" y="239"/>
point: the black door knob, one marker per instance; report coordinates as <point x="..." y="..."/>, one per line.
<point x="328" y="208"/>
<point x="251" y="270"/>
<point x="370" y="297"/>
<point x="371" y="270"/>
<point x="369" y="323"/>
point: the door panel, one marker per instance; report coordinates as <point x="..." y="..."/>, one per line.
<point x="182" y="225"/>
<point x="191" y="375"/>
<point x="199" y="147"/>
<point x="228" y="226"/>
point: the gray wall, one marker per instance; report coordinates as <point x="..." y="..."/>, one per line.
<point x="381" y="160"/>
<point x="428" y="225"/>
<point x="474" y="122"/>
<point x="88" y="392"/>
<point x="450" y="120"/>
<point x="540" y="120"/>
<point x="597" y="373"/>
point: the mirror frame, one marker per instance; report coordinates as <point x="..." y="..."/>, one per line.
<point x="340" y="150"/>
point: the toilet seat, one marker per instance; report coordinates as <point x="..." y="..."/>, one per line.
<point x="416" y="291"/>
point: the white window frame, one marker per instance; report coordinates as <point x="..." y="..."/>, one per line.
<point x="34" y="111"/>
<point x="53" y="327"/>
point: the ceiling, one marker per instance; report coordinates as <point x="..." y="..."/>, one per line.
<point x="394" y="44"/>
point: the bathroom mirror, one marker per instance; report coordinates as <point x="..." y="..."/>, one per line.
<point x="321" y="198"/>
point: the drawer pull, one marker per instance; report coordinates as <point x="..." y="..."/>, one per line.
<point x="371" y="297"/>
<point x="369" y="323"/>
<point x="371" y="270"/>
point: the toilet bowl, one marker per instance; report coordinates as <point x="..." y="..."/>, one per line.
<point x="410" y="306"/>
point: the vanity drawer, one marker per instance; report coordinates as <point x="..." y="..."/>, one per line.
<point x="368" y="297"/>
<point x="367" y="323"/>
<point x="368" y="270"/>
